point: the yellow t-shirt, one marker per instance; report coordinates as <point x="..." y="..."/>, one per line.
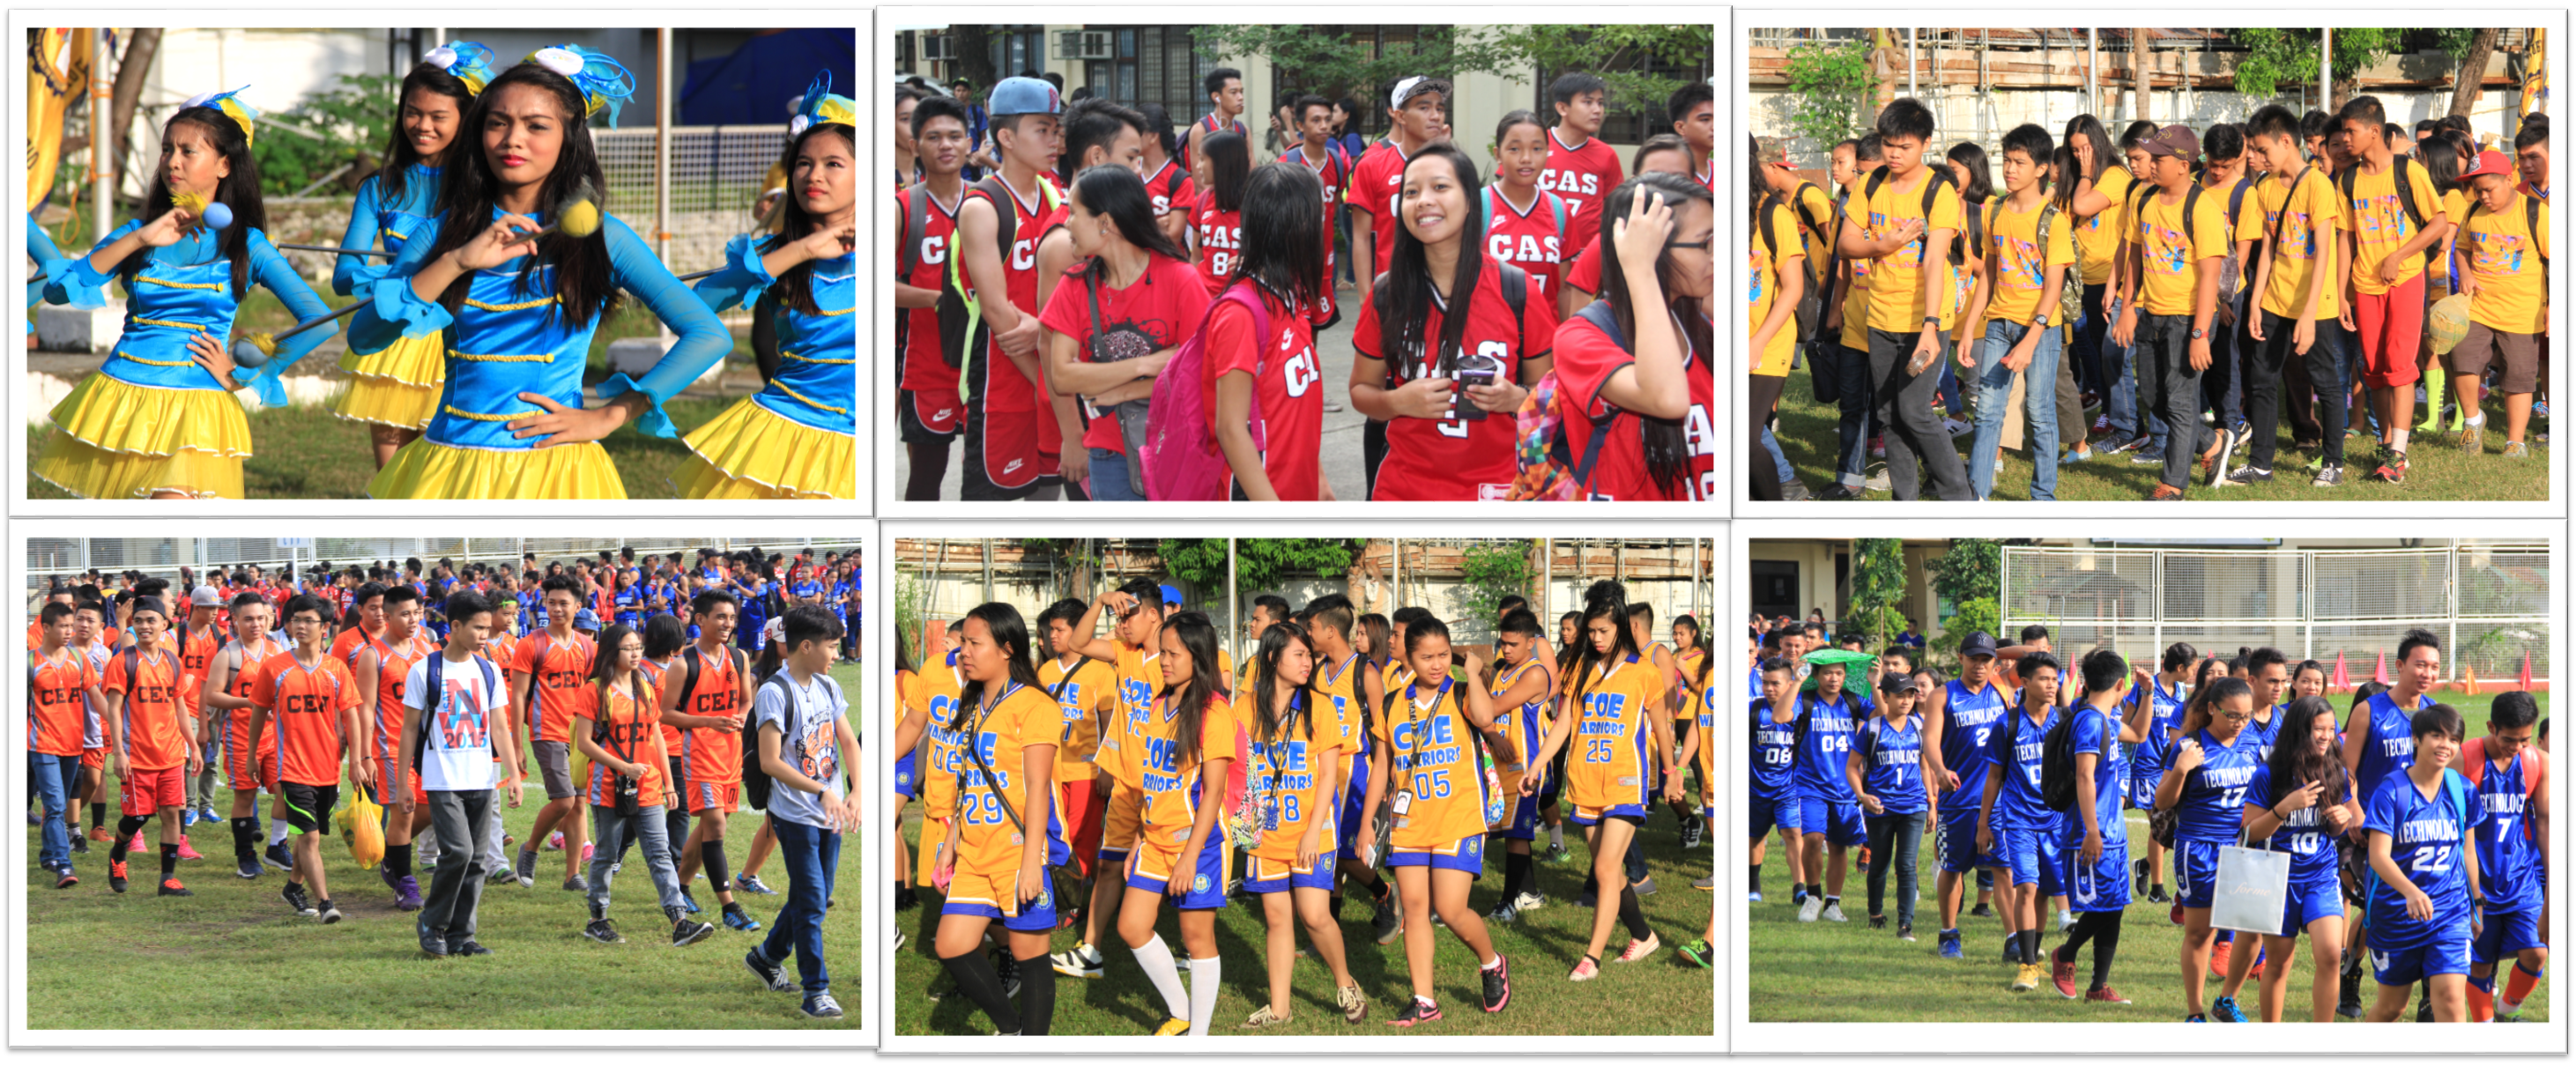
<point x="1896" y="280"/>
<point x="2246" y="226"/>
<point x="1773" y="360"/>
<point x="1811" y="202"/>
<point x="2379" y="225"/>
<point x="2098" y="238"/>
<point x="2499" y="249"/>
<point x="1078" y="696"/>
<point x="2170" y="273"/>
<point x="1022" y="718"/>
<point x="2014" y="238"/>
<point x="2306" y="219"/>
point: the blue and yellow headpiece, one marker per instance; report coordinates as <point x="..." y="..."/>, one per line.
<point x="821" y="104"/>
<point x="469" y="62"/>
<point x="602" y="81"/>
<point x="242" y="114"/>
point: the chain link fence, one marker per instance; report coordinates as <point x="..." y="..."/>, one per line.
<point x="2488" y="601"/>
<point x="717" y="176"/>
<point x="69" y="557"/>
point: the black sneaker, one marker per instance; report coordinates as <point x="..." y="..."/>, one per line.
<point x="905" y="899"/>
<point x="2240" y="477"/>
<point x="1416" y="1013"/>
<point x="1008" y="969"/>
<point x="2424" y="1008"/>
<point x="1878" y="921"/>
<point x="1982" y="910"/>
<point x="1498" y="984"/>
<point x="1837" y="491"/>
<point x="433" y="947"/>
<point x="294" y="896"/>
<point x="2348" y="1002"/>
<point x="1387" y="924"/>
<point x="468" y="949"/>
<point x="2157" y="894"/>
<point x="275" y="857"/>
<point x="2139" y="870"/>
<point x="2328" y="476"/>
<point x="247" y="870"/>
<point x="603" y="931"/>
<point x="685" y="932"/>
<point x="772" y="975"/>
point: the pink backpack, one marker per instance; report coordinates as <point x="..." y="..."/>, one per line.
<point x="1181" y="457"/>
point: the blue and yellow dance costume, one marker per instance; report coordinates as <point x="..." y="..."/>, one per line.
<point x="49" y="265"/>
<point x="507" y="339"/>
<point x="397" y="385"/>
<point x="151" y="420"/>
<point x="798" y="438"/>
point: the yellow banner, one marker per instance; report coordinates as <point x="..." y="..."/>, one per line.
<point x="57" y="73"/>
<point x="2535" y="80"/>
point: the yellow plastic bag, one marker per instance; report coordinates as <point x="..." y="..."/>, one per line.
<point x="362" y="829"/>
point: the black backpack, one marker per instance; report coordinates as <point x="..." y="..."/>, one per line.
<point x="2056" y="763"/>
<point x="1935" y="178"/>
<point x="2405" y="198"/>
<point x="755" y="776"/>
<point x="2530" y="225"/>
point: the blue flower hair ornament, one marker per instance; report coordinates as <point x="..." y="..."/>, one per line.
<point x="230" y="104"/>
<point x="821" y="104"/>
<point x="603" y="82"/>
<point x="468" y="61"/>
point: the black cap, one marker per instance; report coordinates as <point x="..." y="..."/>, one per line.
<point x="1899" y="682"/>
<point x="1978" y="643"/>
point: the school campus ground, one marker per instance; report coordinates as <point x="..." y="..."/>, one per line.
<point x="235" y="957"/>
<point x="1828" y="972"/>
<point x="1662" y="994"/>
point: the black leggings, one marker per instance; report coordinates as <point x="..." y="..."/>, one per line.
<point x="1761" y="475"/>
<point x="2103" y="929"/>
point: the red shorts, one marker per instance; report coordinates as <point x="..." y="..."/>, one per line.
<point x="2391" y="325"/>
<point x="94" y="758"/>
<point x="928" y="417"/>
<point x="384" y="775"/>
<point x="147" y="791"/>
<point x="1085" y="809"/>
<point x="721" y="796"/>
<point x="247" y="771"/>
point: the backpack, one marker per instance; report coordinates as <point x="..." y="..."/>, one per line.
<point x="2405" y="197"/>
<point x="1542" y="453"/>
<point x="2056" y="764"/>
<point x="433" y="685"/>
<point x="2530" y="225"/>
<point x="692" y="663"/>
<point x="1180" y="453"/>
<point x="1490" y="206"/>
<point x="1934" y="179"/>
<point x="2190" y="231"/>
<point x="2231" y="272"/>
<point x="1824" y="354"/>
<point x="756" y="781"/>
<point x="961" y="320"/>
<point x="2070" y="292"/>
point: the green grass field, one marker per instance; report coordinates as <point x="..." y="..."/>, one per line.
<point x="1827" y="972"/>
<point x="1663" y="994"/>
<point x="235" y="957"/>
<point x="2436" y="468"/>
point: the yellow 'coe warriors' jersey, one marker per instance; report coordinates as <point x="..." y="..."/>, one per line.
<point x="1606" y="770"/>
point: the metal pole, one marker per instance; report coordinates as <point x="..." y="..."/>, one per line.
<point x="1913" y="75"/>
<point x="662" y="149"/>
<point x="1233" y="625"/>
<point x="1546" y="579"/>
<point x="988" y="568"/>
<point x="1395" y="573"/>
<point x="2092" y="74"/>
<point x="102" y="95"/>
<point x="2325" y="68"/>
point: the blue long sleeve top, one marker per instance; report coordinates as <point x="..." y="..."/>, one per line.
<point x="181" y="290"/>
<point x="817" y="383"/>
<point x="503" y="341"/>
<point x="49" y="265"/>
<point x="371" y="218"/>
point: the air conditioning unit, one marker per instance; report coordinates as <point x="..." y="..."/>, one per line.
<point x="935" y="48"/>
<point x="1086" y="44"/>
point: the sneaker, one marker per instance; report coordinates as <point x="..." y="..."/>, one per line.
<point x="2061" y="972"/>
<point x="751" y="883"/>
<point x="1263" y="1019"/>
<point x="575" y="884"/>
<point x="1639" y="949"/>
<point x="2106" y="994"/>
<point x="101" y="834"/>
<point x="1905" y="932"/>
<point x="2027" y="978"/>
<point x="2156" y="894"/>
<point x="1958" y="428"/>
<point x="772" y="975"/>
<point x="187" y="818"/>
<point x="1878" y="921"/>
<point x="407" y="893"/>
<point x="554" y="840"/>
<point x="2175" y="914"/>
<point x="1083" y="961"/>
<point x="2424" y="1008"/>
<point x="2196" y="1019"/>
<point x="2081" y="454"/>
<point x="587" y="850"/>
<point x="2164" y="493"/>
<point x="2065" y="921"/>
<point x="1008" y="969"/>
<point x="432" y="947"/>
<point x="821" y="1005"/>
<point x="688" y="902"/>
<point x="1950" y="948"/>
<point x="2516" y="450"/>
<point x="739" y="922"/>
<point x="2392" y="468"/>
<point x="294" y="896"/>
<point x="2240" y="477"/>
<point x="1503" y="913"/>
<point x="247" y="870"/>
<point x="1753" y="897"/>
<point x="1585" y="969"/>
<point x="1690" y="833"/>
<point x="2101" y="423"/>
<point x="1982" y="910"/>
<point x="67" y="879"/>
<point x="1530" y="901"/>
<point x="2130" y="445"/>
<point x="80" y="844"/>
<point x="603" y="931"/>
<point x="2229" y="439"/>
<point x="275" y="857"/>
<point x="331" y="916"/>
<point x="1699" y="953"/>
<point x="2507" y="1012"/>
<point x="1837" y="491"/>
<point x="2226" y="1010"/>
<point x="525" y="868"/>
<point x="1645" y="887"/>
<point x="1498" y="984"/>
<point x="685" y="932"/>
<point x="1353" y="1002"/>
<point x="2218" y="956"/>
<point x="1557" y="855"/>
<point x="501" y="876"/>
<point x="1834" y="912"/>
<point x="1173" y="1027"/>
<point x="2473" y="438"/>
<point x="2012" y="949"/>
<point x="1814" y="906"/>
<point x="468" y="949"/>
<point x="905" y="898"/>
<point x="2328" y="476"/>
<point x="116" y="877"/>
<point x="2146" y="457"/>
<point x="1387" y="923"/>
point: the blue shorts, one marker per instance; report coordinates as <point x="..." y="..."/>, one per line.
<point x="2094" y="886"/>
<point x="1782" y="810"/>
<point x="1839" y="821"/>
<point x="1634" y="812"/>
<point x="1524" y="823"/>
<point x="985" y="897"/>
<point x="2310" y="899"/>
<point x="1959" y="843"/>
<point x="1353" y="801"/>
<point x="1150" y="868"/>
<point x="2195" y="869"/>
<point x="1466" y="853"/>
<point x="2032" y="855"/>
<point x="907" y="770"/>
<point x="1262" y="875"/>
<point x="2447" y="953"/>
<point x="2507" y="932"/>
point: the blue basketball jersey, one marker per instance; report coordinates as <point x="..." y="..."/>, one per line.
<point x="2303" y="834"/>
<point x="1894" y="768"/>
<point x="2425" y="835"/>
<point x="2097" y="733"/>
<point x="1824" y="746"/>
<point x="1775" y="748"/>
<point x="2264" y="734"/>
<point x="2212" y="807"/>
<point x="2015" y="751"/>
<point x="2510" y="871"/>
<point x="2389" y="748"/>
<point x="1970" y="722"/>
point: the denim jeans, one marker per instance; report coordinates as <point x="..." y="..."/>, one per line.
<point x="2167" y="383"/>
<point x="1109" y="477"/>
<point x="2222" y="387"/>
<point x="52" y="776"/>
<point x="1857" y="421"/>
<point x="1778" y="458"/>
<point x="2038" y="404"/>
<point x="1893" y="838"/>
<point x="812" y="856"/>
<point x="1914" y="431"/>
<point x="2109" y="364"/>
<point x="2264" y="365"/>
<point x="609" y="833"/>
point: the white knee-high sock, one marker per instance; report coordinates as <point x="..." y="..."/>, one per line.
<point x="1203" y="989"/>
<point x="277" y="830"/>
<point x="1156" y="960"/>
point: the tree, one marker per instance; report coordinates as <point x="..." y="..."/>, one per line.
<point x="972" y="49"/>
<point x="1333" y="62"/>
<point x="1493" y="569"/>
<point x="2473" y="71"/>
<point x="1259" y="564"/>
<point x="1973" y="569"/>
<point x="1330" y="62"/>
<point x="1877" y="584"/>
<point x="2275" y="56"/>
<point x="2138" y="71"/>
<point x="1827" y="82"/>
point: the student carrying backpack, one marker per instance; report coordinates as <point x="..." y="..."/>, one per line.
<point x="1179" y="452"/>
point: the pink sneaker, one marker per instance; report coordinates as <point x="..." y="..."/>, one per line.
<point x="586" y="849"/>
<point x="1584" y="970"/>
<point x="187" y="850"/>
<point x="554" y="841"/>
<point x="1639" y="949"/>
<point x="135" y="844"/>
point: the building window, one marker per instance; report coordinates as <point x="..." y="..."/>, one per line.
<point x="1152" y="65"/>
<point x="1631" y="125"/>
<point x="1018" y="48"/>
<point x="1370" y="42"/>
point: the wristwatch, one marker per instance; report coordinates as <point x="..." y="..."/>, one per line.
<point x="2199" y="334"/>
<point x="1933" y="321"/>
<point x="2041" y="321"/>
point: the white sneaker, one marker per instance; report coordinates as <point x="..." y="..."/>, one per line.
<point x="1807" y="911"/>
<point x="1529" y="901"/>
<point x="2065" y="921"/>
<point x="1834" y="912"/>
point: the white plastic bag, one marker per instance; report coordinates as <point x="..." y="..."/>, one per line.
<point x="2252" y="892"/>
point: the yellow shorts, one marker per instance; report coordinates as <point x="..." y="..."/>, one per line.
<point x="934" y="835"/>
<point x="1126" y="817"/>
<point x="117" y="441"/>
<point x="752" y="453"/>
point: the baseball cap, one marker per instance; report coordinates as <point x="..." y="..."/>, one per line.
<point x="1415" y="86"/>
<point x="2177" y="141"/>
<point x="1978" y="643"/>
<point x="1023" y="96"/>
<point x="206" y="596"/>
<point x="775" y="632"/>
<point x="1904" y="682"/>
<point x="586" y="620"/>
<point x="2489" y="162"/>
<point x="1171" y="596"/>
<point x="147" y="603"/>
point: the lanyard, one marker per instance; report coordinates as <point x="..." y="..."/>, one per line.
<point x="1413" y="719"/>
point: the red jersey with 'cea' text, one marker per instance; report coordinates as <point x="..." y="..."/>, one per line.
<point x="1459" y="458"/>
<point x="1007" y="391"/>
<point x="923" y="368"/>
<point x="1287" y="382"/>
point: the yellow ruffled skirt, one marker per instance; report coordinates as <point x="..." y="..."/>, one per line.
<point x="753" y="453"/>
<point x="117" y="441"/>
<point x="426" y="470"/>
<point x="398" y="386"/>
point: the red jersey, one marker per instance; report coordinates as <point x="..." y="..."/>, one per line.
<point x="151" y="729"/>
<point x="1459" y="458"/>
<point x="1583" y="176"/>
<point x="1585" y="273"/>
<point x="1334" y="174"/>
<point x="1585" y="360"/>
<point x="1699" y="428"/>
<point x="917" y="329"/>
<point x="1005" y="394"/>
<point x="393" y="668"/>
<point x="561" y="668"/>
<point x="196" y="651"/>
<point x="1220" y="242"/>
<point x="1287" y="381"/>
<point x="1159" y="310"/>
<point x="1207" y="124"/>
<point x="57" y="702"/>
<point x="303" y="740"/>
<point x="1527" y="238"/>
<point x="246" y="662"/>
<point x="1169" y="188"/>
<point x="1377" y="186"/>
